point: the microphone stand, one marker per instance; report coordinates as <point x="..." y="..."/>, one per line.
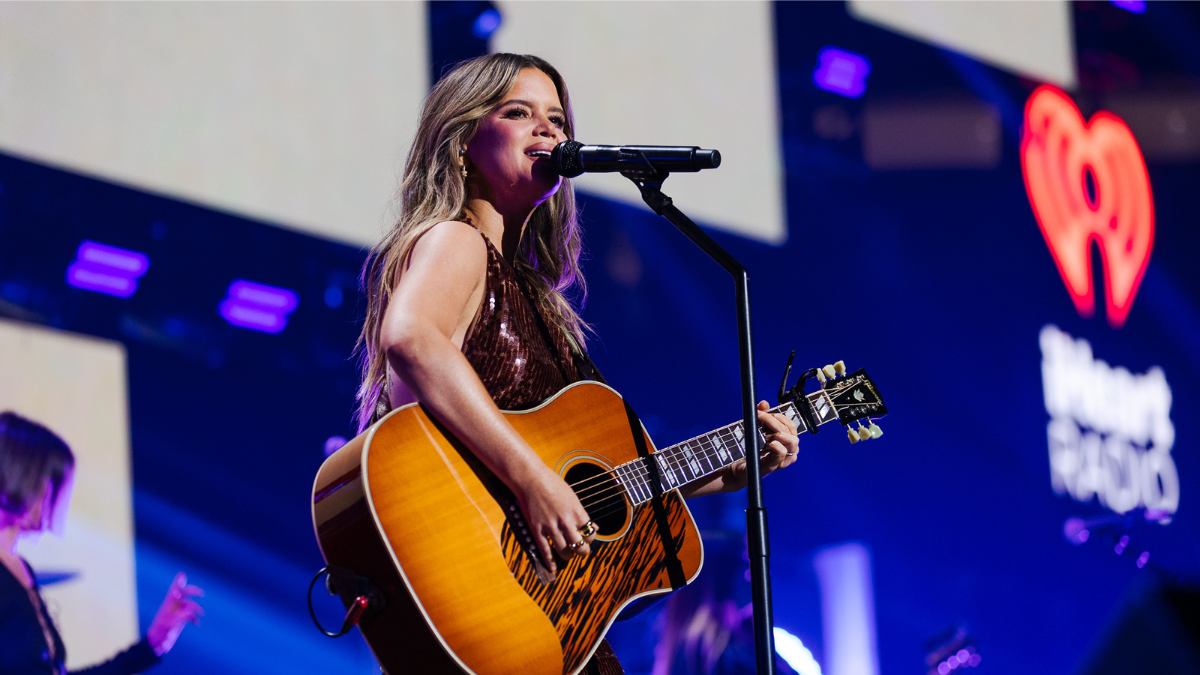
<point x="649" y="180"/>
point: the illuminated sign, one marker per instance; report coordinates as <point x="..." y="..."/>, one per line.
<point x="1088" y="183"/>
<point x="110" y="270"/>
<point x="258" y="306"/>
<point x="1110" y="430"/>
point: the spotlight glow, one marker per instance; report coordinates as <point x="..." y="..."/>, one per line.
<point x="842" y="72"/>
<point x="791" y="649"/>
<point x="486" y="23"/>
<point x="1135" y="6"/>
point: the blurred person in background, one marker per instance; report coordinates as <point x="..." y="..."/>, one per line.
<point x="36" y="472"/>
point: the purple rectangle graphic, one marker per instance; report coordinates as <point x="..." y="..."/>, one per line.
<point x="100" y="280"/>
<point x="271" y="298"/>
<point x="112" y="259"/>
<point x="254" y="317"/>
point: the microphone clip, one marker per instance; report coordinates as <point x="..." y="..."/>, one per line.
<point x="649" y="180"/>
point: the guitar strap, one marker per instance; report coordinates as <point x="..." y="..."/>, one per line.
<point x="657" y="502"/>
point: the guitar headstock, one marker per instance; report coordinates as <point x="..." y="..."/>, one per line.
<point x="845" y="398"/>
<point x="854" y="398"/>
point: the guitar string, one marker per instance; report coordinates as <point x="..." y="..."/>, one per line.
<point x="707" y="451"/>
<point x="671" y="451"/>
<point x="595" y="498"/>
<point x="704" y="444"/>
<point x="637" y="482"/>
<point x="639" y="472"/>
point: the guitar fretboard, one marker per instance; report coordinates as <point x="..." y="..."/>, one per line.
<point x="705" y="454"/>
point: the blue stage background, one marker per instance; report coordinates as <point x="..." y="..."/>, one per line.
<point x="938" y="282"/>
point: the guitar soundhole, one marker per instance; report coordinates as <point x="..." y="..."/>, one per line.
<point x="600" y="494"/>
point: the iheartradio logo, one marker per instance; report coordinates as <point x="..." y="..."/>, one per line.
<point x="1087" y="182"/>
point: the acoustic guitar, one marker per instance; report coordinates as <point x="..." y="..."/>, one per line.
<point x="456" y="582"/>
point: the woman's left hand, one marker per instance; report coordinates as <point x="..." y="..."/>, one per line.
<point x="780" y="450"/>
<point x="782" y="444"/>
<point x="177" y="609"/>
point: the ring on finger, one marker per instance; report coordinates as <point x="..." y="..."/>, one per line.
<point x="577" y="544"/>
<point x="588" y="529"/>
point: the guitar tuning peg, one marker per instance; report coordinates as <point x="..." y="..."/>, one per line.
<point x="821" y="375"/>
<point x="863" y="433"/>
<point x="875" y="431"/>
<point x="830" y="372"/>
<point x="851" y="435"/>
<point x="840" y="368"/>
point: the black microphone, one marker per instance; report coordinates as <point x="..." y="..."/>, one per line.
<point x="573" y="158"/>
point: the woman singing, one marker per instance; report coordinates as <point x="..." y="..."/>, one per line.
<point x="467" y="307"/>
<point x="36" y="467"/>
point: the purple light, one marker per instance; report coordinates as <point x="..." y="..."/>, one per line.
<point x="943" y="668"/>
<point x="974" y="660"/>
<point x="841" y="72"/>
<point x="847" y="609"/>
<point x="1143" y="559"/>
<point x="88" y="278"/>
<point x="258" y="306"/>
<point x="1135" y="6"/>
<point x="249" y="316"/>
<point x="272" y="298"/>
<point x="107" y="269"/>
<point x="333" y="444"/>
<point x="486" y="23"/>
<point x="119" y="260"/>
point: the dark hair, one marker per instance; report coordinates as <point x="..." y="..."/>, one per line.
<point x="30" y="454"/>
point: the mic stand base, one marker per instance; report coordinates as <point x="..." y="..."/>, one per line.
<point x="649" y="182"/>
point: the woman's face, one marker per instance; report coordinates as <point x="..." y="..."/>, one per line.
<point x="509" y="156"/>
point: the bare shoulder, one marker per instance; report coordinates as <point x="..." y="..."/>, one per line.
<point x="452" y="244"/>
<point x="445" y="273"/>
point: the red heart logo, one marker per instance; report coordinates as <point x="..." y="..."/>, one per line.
<point x="1059" y="153"/>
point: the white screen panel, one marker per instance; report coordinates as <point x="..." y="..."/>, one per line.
<point x="1030" y="38"/>
<point x="293" y="112"/>
<point x="76" y="386"/>
<point x="671" y="73"/>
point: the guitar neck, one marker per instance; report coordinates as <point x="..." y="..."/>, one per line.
<point x="695" y="458"/>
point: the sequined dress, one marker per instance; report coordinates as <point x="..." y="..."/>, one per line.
<point x="522" y="360"/>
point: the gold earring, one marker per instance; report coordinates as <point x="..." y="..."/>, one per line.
<point x="464" y="171"/>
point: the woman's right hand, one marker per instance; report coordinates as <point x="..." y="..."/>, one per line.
<point x="177" y="610"/>
<point x="555" y="516"/>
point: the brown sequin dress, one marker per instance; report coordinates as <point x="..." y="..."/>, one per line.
<point x="522" y="360"/>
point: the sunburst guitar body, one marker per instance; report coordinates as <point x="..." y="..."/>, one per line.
<point x="460" y="583"/>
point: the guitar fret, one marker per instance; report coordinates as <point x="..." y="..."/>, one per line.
<point x="630" y="482"/>
<point x="719" y="446"/>
<point x="645" y="481"/>
<point x="689" y="462"/>
<point x="708" y="454"/>
<point x="669" y="480"/>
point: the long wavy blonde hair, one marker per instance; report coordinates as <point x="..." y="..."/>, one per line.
<point x="433" y="190"/>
